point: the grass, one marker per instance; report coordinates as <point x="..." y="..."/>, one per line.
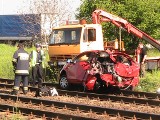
<point x="153" y="53"/>
<point x="6" y="56"/>
<point x="150" y="83"/>
<point x="14" y="117"/>
<point x="6" y="68"/>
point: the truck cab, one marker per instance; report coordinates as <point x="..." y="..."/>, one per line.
<point x="69" y="40"/>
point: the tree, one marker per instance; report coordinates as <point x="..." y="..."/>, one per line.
<point x="143" y="15"/>
<point x="52" y="12"/>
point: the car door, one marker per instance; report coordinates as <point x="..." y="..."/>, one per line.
<point x="77" y="70"/>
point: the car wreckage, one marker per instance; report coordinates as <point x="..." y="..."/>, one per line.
<point x="99" y="69"/>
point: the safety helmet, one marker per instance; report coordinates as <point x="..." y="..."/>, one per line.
<point x="103" y="54"/>
<point x="37" y="45"/>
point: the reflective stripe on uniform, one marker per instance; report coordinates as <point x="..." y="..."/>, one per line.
<point x="23" y="56"/>
<point x="43" y="58"/>
<point x="34" y="58"/>
<point x="16" y="88"/>
<point x="25" y="88"/>
<point x="22" y="71"/>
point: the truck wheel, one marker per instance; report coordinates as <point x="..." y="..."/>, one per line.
<point x="63" y="82"/>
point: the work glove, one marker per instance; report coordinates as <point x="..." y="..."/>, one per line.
<point x="40" y="61"/>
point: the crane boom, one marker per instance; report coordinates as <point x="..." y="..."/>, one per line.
<point x="99" y="16"/>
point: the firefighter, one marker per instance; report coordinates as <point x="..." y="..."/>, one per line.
<point x="37" y="63"/>
<point x="142" y="58"/>
<point x="21" y="68"/>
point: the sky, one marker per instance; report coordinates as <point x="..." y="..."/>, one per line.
<point x="8" y="7"/>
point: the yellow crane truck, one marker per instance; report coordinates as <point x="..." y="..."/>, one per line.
<point x="69" y="40"/>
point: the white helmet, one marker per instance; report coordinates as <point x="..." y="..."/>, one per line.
<point x="38" y="45"/>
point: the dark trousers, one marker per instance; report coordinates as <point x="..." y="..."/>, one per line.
<point x="37" y="74"/>
<point x="142" y="70"/>
<point x="17" y="82"/>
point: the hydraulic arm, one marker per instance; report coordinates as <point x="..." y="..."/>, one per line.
<point x="99" y="16"/>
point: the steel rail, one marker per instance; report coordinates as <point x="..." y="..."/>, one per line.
<point x="104" y="97"/>
<point x="10" y="81"/>
<point x="140" y="94"/>
<point x="110" y="111"/>
<point x="123" y="92"/>
<point x="125" y="99"/>
<point x="41" y="113"/>
<point x="117" y="92"/>
<point x="126" y="96"/>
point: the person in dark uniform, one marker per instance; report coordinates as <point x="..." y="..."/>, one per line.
<point x="142" y="58"/>
<point x="37" y="58"/>
<point x="21" y="68"/>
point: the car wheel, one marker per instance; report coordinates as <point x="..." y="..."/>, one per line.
<point x="131" y="88"/>
<point x="63" y="82"/>
<point x="96" y="86"/>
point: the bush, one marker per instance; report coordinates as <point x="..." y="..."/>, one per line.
<point x="153" y="52"/>
<point x="151" y="82"/>
<point x="6" y="68"/>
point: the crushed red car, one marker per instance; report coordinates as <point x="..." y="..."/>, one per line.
<point x="100" y="69"/>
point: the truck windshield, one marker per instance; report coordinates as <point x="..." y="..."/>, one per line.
<point x="66" y="35"/>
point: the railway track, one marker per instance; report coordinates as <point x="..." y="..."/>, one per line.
<point x="133" y="94"/>
<point x="146" y="101"/>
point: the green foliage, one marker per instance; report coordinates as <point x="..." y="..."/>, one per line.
<point x="150" y="83"/>
<point x="6" y="68"/>
<point x="153" y="53"/>
<point x="13" y="117"/>
<point x="143" y="15"/>
<point x="52" y="74"/>
<point x="86" y="9"/>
